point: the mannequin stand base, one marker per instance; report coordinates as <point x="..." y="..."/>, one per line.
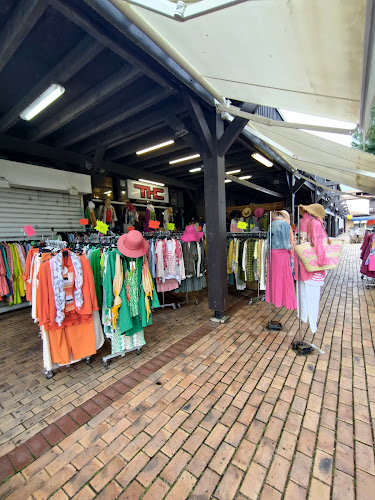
<point x="304" y="349"/>
<point x="223" y="319"/>
<point x="272" y="326"/>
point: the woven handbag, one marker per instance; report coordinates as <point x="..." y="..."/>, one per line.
<point x="309" y="258"/>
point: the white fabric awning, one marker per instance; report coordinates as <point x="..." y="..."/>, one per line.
<point x="304" y="55"/>
<point x="318" y="156"/>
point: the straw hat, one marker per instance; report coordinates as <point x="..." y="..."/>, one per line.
<point x="316" y="209"/>
<point x="246" y="212"/>
<point x="259" y="212"/>
<point x="285" y="214"/>
<point x="132" y="244"/>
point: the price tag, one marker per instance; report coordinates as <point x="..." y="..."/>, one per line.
<point x="241" y="225"/>
<point x="154" y="224"/>
<point x="199" y="228"/>
<point x="171" y="226"/>
<point x="29" y="230"/>
<point x="131" y="228"/>
<point x="83" y="222"/>
<point x="101" y="227"/>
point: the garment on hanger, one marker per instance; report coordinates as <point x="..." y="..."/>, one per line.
<point x="194" y="256"/>
<point x="90" y="214"/>
<point x="367" y="250"/>
<point x="170" y="268"/>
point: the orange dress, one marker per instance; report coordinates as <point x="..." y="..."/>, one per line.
<point x="75" y="339"/>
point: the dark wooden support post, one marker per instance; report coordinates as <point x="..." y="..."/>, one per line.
<point x="214" y="193"/>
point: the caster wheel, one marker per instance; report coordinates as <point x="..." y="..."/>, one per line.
<point x="39" y="335"/>
<point x="178" y="306"/>
<point x="196" y="302"/>
<point x="138" y="352"/>
<point x="362" y="277"/>
<point x="174" y="306"/>
<point x="105" y="364"/>
<point x="88" y="361"/>
<point x="49" y="374"/>
<point x="250" y="303"/>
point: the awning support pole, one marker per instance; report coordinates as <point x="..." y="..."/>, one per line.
<point x="214" y="194"/>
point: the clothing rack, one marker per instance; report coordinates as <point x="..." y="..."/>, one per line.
<point x="258" y="235"/>
<point x="162" y="235"/>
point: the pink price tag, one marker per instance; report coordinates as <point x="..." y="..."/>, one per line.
<point x="29" y="230"/>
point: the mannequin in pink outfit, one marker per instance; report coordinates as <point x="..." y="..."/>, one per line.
<point x="311" y="229"/>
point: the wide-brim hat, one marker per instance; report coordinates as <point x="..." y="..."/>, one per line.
<point x="132" y="244"/>
<point x="285" y="214"/>
<point x="259" y="212"/>
<point x="246" y="212"/>
<point x="191" y="234"/>
<point x="316" y="209"/>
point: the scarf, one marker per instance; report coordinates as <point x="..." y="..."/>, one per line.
<point x="148" y="285"/>
<point x="117" y="286"/>
<point x="56" y="265"/>
<point x="92" y="218"/>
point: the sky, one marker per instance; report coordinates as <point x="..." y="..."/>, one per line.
<point x="346" y="140"/>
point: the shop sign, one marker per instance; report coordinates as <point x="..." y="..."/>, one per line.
<point x="138" y="190"/>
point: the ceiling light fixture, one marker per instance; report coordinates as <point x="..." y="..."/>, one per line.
<point x="51" y="94"/>
<point x="157" y="146"/>
<point x="227" y="180"/>
<point x="108" y="192"/>
<point x="231" y="172"/>
<point x="151" y="182"/>
<point x="244" y="177"/>
<point x="179" y="160"/>
<point x="193" y="170"/>
<point x="262" y="160"/>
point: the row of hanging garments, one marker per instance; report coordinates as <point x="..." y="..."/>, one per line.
<point x="368" y="255"/>
<point x="12" y="266"/>
<point x="247" y="260"/>
<point x="60" y="287"/>
<point x="178" y="264"/>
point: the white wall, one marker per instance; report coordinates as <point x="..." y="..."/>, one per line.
<point x="26" y="176"/>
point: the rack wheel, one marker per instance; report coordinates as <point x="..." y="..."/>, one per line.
<point x="263" y="299"/>
<point x="138" y="352"/>
<point x="251" y="302"/>
<point x="88" y="361"/>
<point x="105" y="364"/>
<point x="174" y="306"/>
<point x="196" y="302"/>
<point x="178" y="306"/>
<point x="362" y="277"/>
<point x="49" y="374"/>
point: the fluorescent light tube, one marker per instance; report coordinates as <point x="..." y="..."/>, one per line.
<point x="44" y="100"/>
<point x="184" y="159"/>
<point x="231" y="172"/>
<point x="107" y="192"/>
<point x="244" y="177"/>
<point x="227" y="180"/>
<point x="151" y="182"/>
<point x="262" y="160"/>
<point x="157" y="146"/>
<point x="193" y="170"/>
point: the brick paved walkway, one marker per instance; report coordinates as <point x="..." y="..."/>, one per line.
<point x="228" y="412"/>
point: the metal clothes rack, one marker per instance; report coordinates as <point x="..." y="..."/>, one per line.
<point x="259" y="235"/>
<point x="162" y="235"/>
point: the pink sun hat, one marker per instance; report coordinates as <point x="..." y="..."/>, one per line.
<point x="259" y="212"/>
<point x="190" y="234"/>
<point x="132" y="244"/>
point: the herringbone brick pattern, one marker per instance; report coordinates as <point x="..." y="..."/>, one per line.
<point x="235" y="415"/>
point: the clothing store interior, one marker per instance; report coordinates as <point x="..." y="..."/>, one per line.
<point x="128" y="202"/>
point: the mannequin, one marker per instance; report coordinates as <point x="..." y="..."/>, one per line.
<point x="107" y="213"/>
<point x="168" y="217"/>
<point x="150" y="215"/>
<point x="90" y="213"/>
<point x="282" y="283"/>
<point x="311" y="229"/>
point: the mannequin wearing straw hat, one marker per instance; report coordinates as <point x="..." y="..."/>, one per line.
<point x="311" y="229"/>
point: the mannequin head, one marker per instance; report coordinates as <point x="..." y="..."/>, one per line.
<point x="91" y="205"/>
<point x="107" y="202"/>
